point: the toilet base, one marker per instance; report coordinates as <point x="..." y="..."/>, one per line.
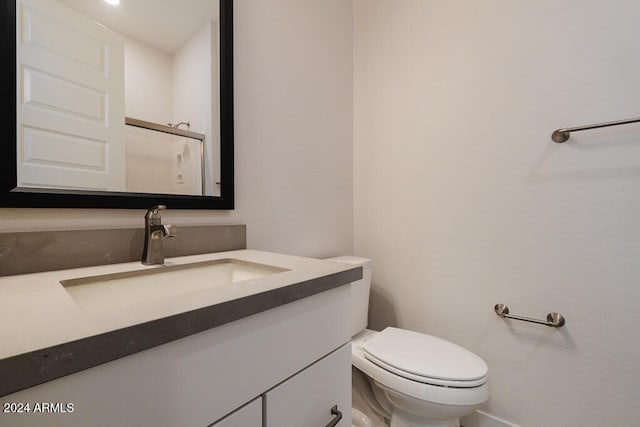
<point x="403" y="419"/>
<point x="364" y="402"/>
<point x="358" y="419"/>
<point x="407" y="411"/>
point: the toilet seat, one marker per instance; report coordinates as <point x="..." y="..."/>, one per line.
<point x="424" y="358"/>
<point x="426" y="392"/>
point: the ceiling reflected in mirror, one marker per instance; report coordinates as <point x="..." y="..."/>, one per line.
<point x="166" y="25"/>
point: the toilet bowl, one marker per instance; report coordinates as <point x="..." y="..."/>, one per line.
<point x="418" y="380"/>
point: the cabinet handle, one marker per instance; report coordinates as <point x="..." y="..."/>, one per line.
<point x="337" y="416"/>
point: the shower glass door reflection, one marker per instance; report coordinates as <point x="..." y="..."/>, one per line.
<point x="160" y="162"/>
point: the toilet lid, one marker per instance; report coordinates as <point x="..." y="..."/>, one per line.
<point x="425" y="358"/>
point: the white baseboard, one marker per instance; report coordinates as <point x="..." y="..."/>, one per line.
<point x="482" y="419"/>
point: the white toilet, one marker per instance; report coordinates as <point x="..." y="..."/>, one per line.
<point x="418" y="380"/>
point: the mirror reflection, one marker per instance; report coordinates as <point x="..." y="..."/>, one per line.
<point x="118" y="98"/>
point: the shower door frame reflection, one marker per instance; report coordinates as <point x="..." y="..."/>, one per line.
<point x="173" y="130"/>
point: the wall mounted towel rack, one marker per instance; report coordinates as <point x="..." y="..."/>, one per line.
<point x="562" y="135"/>
<point x="555" y="320"/>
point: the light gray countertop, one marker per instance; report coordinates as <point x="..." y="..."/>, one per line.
<point x="46" y="334"/>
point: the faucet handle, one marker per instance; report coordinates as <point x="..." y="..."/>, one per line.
<point x="154" y="212"/>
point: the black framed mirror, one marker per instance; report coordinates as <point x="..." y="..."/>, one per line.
<point x="13" y="193"/>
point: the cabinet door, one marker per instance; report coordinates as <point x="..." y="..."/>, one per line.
<point x="316" y="396"/>
<point x="248" y="416"/>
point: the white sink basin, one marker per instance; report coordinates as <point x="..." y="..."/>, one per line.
<point x="132" y="287"/>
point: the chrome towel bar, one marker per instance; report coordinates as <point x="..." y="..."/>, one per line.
<point x="555" y="320"/>
<point x="562" y="135"/>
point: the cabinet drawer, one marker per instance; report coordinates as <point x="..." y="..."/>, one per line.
<point x="247" y="416"/>
<point x="307" y="399"/>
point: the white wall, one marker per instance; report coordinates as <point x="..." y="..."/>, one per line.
<point x="148" y="82"/>
<point x="293" y="135"/>
<point x="193" y="77"/>
<point x="192" y="80"/>
<point x="294" y="124"/>
<point x="463" y="201"/>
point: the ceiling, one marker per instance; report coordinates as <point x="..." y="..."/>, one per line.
<point x="164" y="24"/>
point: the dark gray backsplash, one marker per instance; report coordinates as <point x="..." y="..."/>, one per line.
<point x="34" y="251"/>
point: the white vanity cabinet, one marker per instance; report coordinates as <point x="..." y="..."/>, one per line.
<point x="249" y="415"/>
<point x="291" y="363"/>
<point x="318" y="396"/>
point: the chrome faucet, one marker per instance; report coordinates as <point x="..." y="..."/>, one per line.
<point x="154" y="233"/>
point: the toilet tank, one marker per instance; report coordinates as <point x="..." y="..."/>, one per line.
<point x="359" y="291"/>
